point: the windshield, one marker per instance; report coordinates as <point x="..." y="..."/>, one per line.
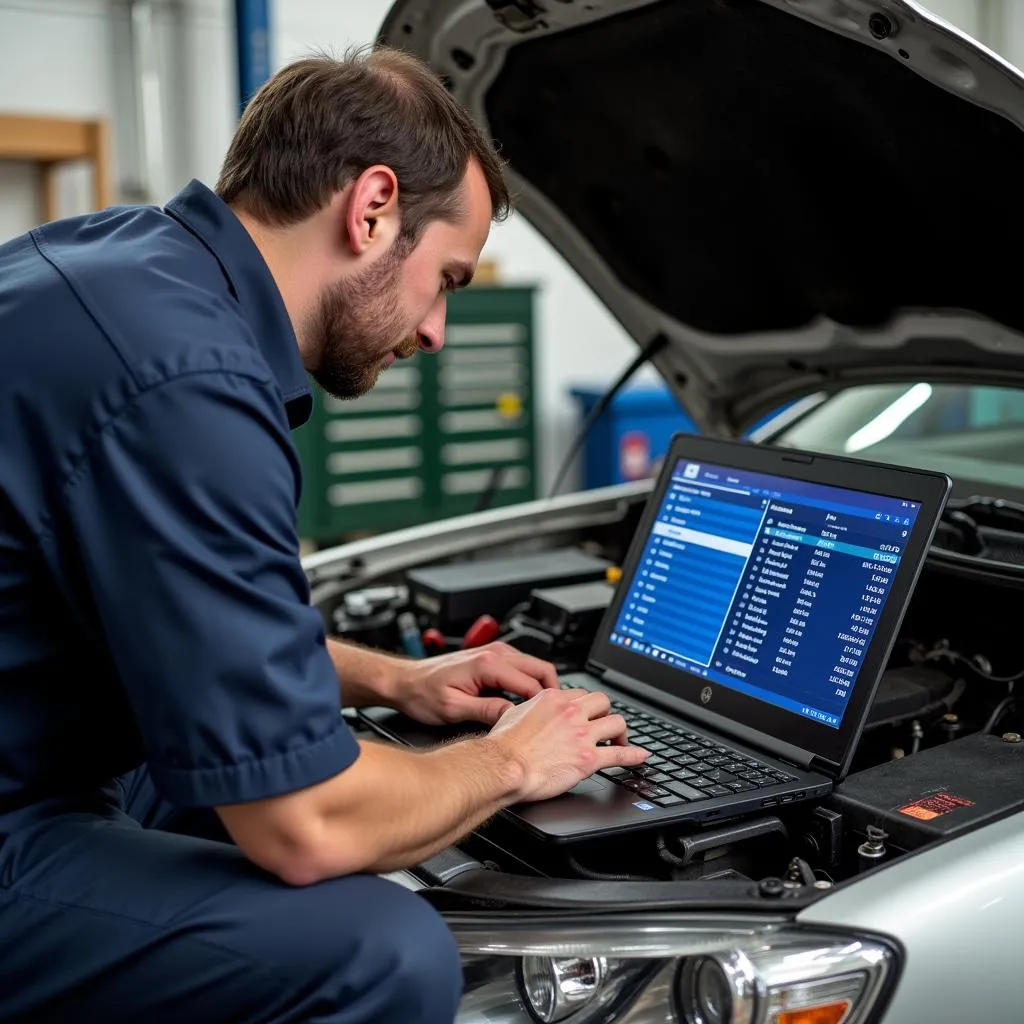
<point x="973" y="433"/>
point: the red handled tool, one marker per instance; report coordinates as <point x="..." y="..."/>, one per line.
<point x="483" y="631"/>
<point x="434" y="641"/>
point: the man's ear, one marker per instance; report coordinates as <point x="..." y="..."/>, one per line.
<point x="372" y="216"/>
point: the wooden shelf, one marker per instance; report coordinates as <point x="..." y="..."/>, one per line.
<point x="52" y="141"/>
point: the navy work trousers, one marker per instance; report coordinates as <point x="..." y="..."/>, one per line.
<point x="110" y="913"/>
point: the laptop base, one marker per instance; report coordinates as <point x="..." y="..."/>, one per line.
<point x="599" y="807"/>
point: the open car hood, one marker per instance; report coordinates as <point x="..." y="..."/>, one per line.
<point x="797" y="194"/>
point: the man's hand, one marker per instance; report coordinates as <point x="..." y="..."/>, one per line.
<point x="361" y="820"/>
<point x="555" y="737"/>
<point x="447" y="689"/>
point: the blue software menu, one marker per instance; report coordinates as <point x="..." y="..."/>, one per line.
<point x="770" y="586"/>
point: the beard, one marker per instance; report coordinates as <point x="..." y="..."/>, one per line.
<point x="357" y="324"/>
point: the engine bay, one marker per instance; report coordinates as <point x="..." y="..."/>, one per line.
<point x="941" y="753"/>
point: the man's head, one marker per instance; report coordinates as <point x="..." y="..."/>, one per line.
<point x="371" y="193"/>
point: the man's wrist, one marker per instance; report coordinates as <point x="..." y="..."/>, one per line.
<point x="508" y="768"/>
<point x="367" y="678"/>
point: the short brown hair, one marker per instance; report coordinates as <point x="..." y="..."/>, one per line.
<point x="320" y="122"/>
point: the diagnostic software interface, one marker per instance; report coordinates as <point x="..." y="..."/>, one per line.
<point x="770" y="586"/>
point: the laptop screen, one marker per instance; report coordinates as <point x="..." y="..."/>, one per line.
<point x="766" y="585"/>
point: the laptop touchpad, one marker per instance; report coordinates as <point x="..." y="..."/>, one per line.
<point x="585" y="786"/>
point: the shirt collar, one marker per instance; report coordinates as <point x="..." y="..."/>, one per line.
<point x="208" y="217"/>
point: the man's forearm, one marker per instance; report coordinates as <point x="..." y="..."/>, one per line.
<point x="427" y="801"/>
<point x="390" y="809"/>
<point x="367" y="677"/>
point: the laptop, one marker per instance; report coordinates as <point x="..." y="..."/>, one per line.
<point x="757" y="608"/>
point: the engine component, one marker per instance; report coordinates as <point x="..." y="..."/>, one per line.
<point x="824" y="837"/>
<point x="799" y="873"/>
<point x="872" y="851"/>
<point x="910" y="692"/>
<point x="451" y="597"/>
<point x="941" y="792"/>
<point x="692" y="846"/>
<point x="569" y="615"/>
<point x="951" y="727"/>
<point x="412" y="642"/>
<point x="370" y="617"/>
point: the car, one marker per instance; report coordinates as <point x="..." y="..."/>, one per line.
<point x="798" y="205"/>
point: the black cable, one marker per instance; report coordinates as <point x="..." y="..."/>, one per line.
<point x="497" y="472"/>
<point x="667" y="855"/>
<point x="961" y="659"/>
<point x="488" y="493"/>
<point x="648" y="352"/>
<point x="603" y="876"/>
<point x="1001" y="708"/>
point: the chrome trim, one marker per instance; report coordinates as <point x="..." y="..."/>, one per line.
<point x="647" y="936"/>
<point x="740" y="976"/>
<point x="833" y="961"/>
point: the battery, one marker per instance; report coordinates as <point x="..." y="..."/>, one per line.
<point x="937" y="793"/>
<point x="452" y="597"/>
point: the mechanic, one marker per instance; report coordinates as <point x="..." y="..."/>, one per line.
<point x="189" y="830"/>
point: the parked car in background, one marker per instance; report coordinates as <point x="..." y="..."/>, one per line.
<point x="809" y="202"/>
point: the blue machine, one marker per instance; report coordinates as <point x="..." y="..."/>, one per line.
<point x="252" y="47"/>
<point x="631" y="436"/>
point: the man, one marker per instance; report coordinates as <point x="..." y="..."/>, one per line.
<point x="161" y="670"/>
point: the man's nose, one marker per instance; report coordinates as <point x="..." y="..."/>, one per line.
<point x="431" y="328"/>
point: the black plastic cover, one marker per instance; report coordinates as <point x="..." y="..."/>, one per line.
<point x="453" y="596"/>
<point x="936" y="794"/>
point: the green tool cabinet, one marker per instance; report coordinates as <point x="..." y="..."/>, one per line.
<point x="423" y="443"/>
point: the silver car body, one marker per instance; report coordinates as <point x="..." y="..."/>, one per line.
<point x="956" y="909"/>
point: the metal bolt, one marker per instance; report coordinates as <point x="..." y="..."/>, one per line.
<point x="822" y="884"/>
<point x="771" y="887"/>
<point x="880" y="26"/>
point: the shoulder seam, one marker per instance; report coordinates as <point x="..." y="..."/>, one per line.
<point x="89" y="443"/>
<point x="73" y="286"/>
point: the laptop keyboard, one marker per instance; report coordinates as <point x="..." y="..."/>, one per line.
<point x="684" y="766"/>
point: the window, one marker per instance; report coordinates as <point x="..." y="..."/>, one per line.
<point x="973" y="433"/>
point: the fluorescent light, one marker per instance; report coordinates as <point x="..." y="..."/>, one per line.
<point x="889" y="419"/>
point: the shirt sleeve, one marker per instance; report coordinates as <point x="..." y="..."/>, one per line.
<point x="183" y="513"/>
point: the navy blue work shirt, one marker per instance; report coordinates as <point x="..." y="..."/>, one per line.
<point x="152" y="603"/>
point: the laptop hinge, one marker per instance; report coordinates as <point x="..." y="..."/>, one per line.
<point x="592" y="668"/>
<point x="825" y="766"/>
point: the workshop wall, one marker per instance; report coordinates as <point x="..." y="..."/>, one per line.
<point x="73" y="58"/>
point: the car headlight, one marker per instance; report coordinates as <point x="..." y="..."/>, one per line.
<point x="660" y="971"/>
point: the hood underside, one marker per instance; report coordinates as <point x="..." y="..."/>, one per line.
<point x="799" y="194"/>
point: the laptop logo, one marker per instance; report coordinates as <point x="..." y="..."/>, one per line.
<point x="705" y="695"/>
